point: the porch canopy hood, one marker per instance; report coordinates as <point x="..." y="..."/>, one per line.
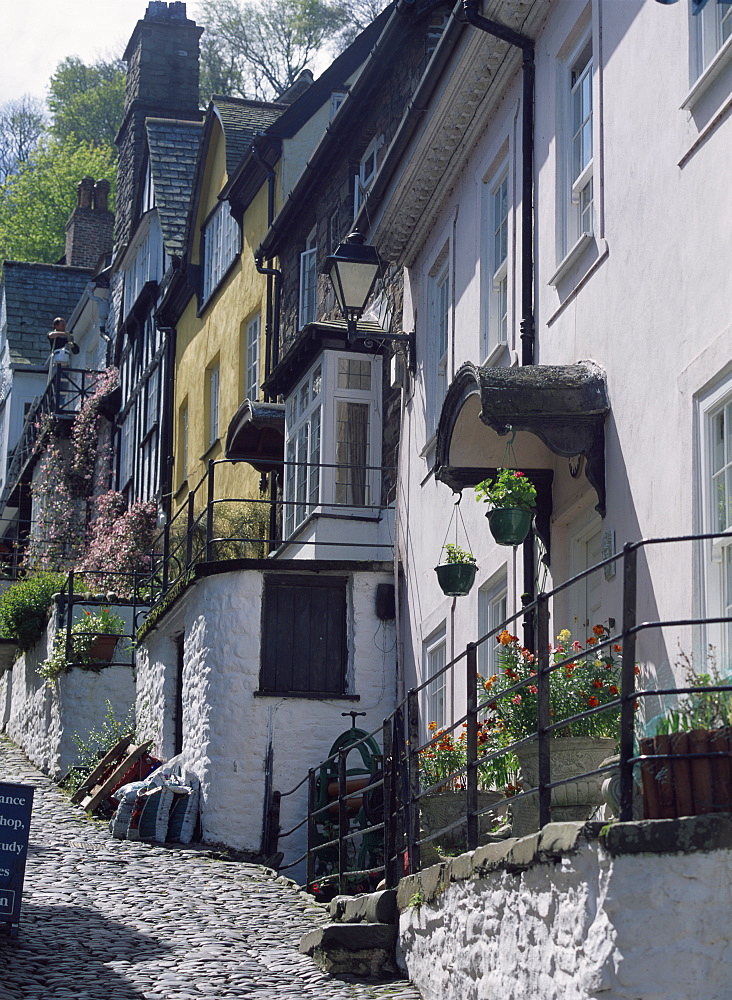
<point x="256" y="435"/>
<point x="564" y="406"/>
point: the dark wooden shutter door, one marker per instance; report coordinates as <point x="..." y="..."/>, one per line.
<point x="304" y="639"/>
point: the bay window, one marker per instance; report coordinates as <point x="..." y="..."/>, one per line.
<point x="331" y="417"/>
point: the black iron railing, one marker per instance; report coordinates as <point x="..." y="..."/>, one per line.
<point x="211" y="527"/>
<point x="67" y="389"/>
<point x="401" y="787"/>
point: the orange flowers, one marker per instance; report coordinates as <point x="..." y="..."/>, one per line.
<point x="597" y="683"/>
<point x="592" y="640"/>
<point x="593" y="702"/>
<point x="613" y="690"/>
<point x="598" y="630"/>
<point x="505" y="638"/>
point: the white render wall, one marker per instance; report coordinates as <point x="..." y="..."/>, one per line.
<point x="226" y="728"/>
<point x="653" y="309"/>
<point x="591" y="927"/>
<point x="43" y="716"/>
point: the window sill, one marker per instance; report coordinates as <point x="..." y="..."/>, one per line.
<point x="429" y="447"/>
<point x="210" y="450"/>
<point x="182" y="488"/>
<point x="571" y="258"/>
<point x="495" y="355"/>
<point x="308" y="695"/>
<point x="710" y="74"/>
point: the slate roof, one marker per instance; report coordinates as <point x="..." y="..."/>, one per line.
<point x="173" y="147"/>
<point x="241" y="120"/>
<point x="34" y="295"/>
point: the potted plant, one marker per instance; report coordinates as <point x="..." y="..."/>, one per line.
<point x="93" y="641"/>
<point x="512" y="496"/>
<point x="587" y="681"/>
<point x="439" y="761"/>
<point x="699" y="723"/>
<point x="457" y="575"/>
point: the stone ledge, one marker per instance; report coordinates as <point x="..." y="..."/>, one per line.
<point x="351" y="937"/>
<point x="371" y="908"/>
<point x="687" y="835"/>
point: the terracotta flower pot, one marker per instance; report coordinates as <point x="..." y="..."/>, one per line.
<point x="509" y="525"/>
<point x="103" y="647"/>
<point x="687" y="786"/>
<point x="456" y="579"/>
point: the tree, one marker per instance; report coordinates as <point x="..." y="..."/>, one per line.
<point x="37" y="199"/>
<point x="258" y="51"/>
<point x="22" y="123"/>
<point x="358" y="15"/>
<point x="87" y="102"/>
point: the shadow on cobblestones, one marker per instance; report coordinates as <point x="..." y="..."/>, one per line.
<point x="65" y="951"/>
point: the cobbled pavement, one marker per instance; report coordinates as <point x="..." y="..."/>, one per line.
<point x="104" y="919"/>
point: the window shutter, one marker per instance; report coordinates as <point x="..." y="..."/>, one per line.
<point x="304" y="647"/>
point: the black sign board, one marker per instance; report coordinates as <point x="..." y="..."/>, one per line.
<point x="16" y="803"/>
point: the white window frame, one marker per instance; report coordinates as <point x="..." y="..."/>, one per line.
<point x="337" y="98"/>
<point x="367" y="170"/>
<point x="710" y="32"/>
<point x="221" y="245"/>
<point x="308" y="282"/>
<point x="252" y="336"/>
<point x="144" y="260"/>
<point x="492" y="612"/>
<point x="311" y="412"/>
<point x="578" y="188"/>
<point x="213" y="375"/>
<point x="434" y="653"/>
<point x="497" y="240"/>
<point x="439" y="335"/>
<point x="718" y="552"/>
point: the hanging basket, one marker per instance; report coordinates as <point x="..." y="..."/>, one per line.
<point x="456" y="579"/>
<point x="509" y="525"/>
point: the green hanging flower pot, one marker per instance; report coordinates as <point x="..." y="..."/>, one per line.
<point x="509" y="525"/>
<point x="456" y="578"/>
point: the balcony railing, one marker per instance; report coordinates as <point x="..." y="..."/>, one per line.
<point x="62" y="399"/>
<point x="400" y="785"/>
<point x="211" y="527"/>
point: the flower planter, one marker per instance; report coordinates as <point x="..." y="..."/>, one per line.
<point x="686" y="786"/>
<point x="456" y="579"/>
<point x="569" y="755"/>
<point x="509" y="525"/>
<point x="103" y="646"/>
<point x="441" y="809"/>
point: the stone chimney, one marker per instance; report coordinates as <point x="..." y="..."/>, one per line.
<point x="162" y="59"/>
<point x="90" y="229"/>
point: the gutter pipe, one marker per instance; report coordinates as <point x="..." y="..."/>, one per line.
<point x="272" y="319"/>
<point x="523" y="42"/>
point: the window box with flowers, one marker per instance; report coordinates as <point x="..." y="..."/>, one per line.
<point x="94" y="639"/>
<point x="590" y="680"/>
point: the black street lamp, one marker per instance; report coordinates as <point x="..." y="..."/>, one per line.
<point x="353" y="269"/>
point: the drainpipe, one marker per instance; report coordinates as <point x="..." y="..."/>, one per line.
<point x="271" y="325"/>
<point x="167" y="421"/>
<point x="523" y="42"/>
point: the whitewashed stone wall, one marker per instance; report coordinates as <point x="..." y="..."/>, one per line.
<point x="42" y="717"/>
<point x="583" y="925"/>
<point x="226" y="728"/>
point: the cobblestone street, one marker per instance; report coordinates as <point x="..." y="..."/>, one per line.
<point x="111" y="920"/>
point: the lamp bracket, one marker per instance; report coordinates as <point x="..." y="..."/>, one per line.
<point x="369" y="339"/>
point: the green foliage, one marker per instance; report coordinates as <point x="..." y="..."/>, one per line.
<point x="83" y="634"/>
<point x="511" y="488"/>
<point x="699" y="710"/>
<point x="97" y="743"/>
<point x="457" y="555"/>
<point x="24" y="608"/>
<point x="36" y="201"/>
<point x="87" y="102"/>
<point x="587" y="681"/>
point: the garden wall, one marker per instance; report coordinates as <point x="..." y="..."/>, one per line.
<point x="41" y="717"/>
<point x="642" y="912"/>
